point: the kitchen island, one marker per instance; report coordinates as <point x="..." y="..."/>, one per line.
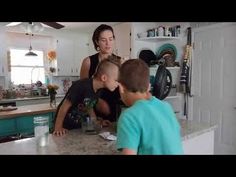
<point x="77" y="143"/>
<point x="197" y="137"/>
<point x="20" y="121"/>
<point x="27" y="110"/>
<point x="31" y="100"/>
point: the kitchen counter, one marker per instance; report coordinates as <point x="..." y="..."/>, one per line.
<point x="190" y="129"/>
<point x="27" y="110"/>
<point x="75" y="142"/>
<point x="28" y="98"/>
<point x="72" y="143"/>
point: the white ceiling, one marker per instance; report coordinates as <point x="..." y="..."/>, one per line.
<point x="84" y="25"/>
<point x="73" y="26"/>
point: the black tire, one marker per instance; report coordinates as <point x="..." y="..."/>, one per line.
<point x="163" y="82"/>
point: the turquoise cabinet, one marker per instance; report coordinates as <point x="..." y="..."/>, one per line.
<point x="7" y="127"/>
<point x="22" y="125"/>
<point x="25" y="125"/>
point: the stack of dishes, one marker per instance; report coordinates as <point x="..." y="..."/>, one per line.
<point x="168" y="53"/>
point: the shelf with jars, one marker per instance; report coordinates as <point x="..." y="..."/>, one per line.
<point x="160" y="33"/>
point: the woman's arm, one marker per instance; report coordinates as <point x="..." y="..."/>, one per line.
<point x="59" y="130"/>
<point x="84" y="71"/>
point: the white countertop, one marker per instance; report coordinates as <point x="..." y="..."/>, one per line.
<point x="75" y="142"/>
<point x="190" y="129"/>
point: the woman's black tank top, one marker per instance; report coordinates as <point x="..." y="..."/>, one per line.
<point x="93" y="64"/>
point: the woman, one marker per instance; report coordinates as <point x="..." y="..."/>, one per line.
<point x="103" y="40"/>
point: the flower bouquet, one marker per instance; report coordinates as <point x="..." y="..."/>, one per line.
<point x="52" y="93"/>
<point x="51" y="55"/>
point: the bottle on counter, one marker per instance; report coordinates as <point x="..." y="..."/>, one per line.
<point x="1" y="92"/>
<point x="160" y="31"/>
<point x="177" y="30"/>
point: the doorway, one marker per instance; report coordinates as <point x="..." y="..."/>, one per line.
<point x="214" y="82"/>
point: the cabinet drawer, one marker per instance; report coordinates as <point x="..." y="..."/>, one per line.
<point x="7" y="127"/>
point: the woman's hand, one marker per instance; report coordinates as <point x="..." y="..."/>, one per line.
<point x="103" y="123"/>
<point x="106" y="123"/>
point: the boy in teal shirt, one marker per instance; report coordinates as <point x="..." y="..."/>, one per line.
<point x="148" y="126"/>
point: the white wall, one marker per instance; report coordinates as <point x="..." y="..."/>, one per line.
<point x="91" y="46"/>
<point x="201" y="24"/>
<point x="137" y="46"/>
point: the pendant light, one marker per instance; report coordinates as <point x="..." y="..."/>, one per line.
<point x="30" y="53"/>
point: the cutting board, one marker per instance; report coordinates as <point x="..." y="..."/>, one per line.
<point x="9" y="108"/>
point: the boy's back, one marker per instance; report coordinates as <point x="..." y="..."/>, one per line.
<point x="150" y="126"/>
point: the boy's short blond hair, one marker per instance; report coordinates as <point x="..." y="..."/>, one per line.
<point x="106" y="65"/>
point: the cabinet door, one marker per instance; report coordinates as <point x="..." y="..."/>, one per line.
<point x="3" y="53"/>
<point x="205" y="141"/>
<point x="81" y="51"/>
<point x="122" y="39"/>
<point x="65" y="57"/>
<point x="7" y="127"/>
<point x="25" y="124"/>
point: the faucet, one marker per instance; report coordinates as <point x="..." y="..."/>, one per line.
<point x="31" y="80"/>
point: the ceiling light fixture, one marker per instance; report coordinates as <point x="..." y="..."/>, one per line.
<point x="31" y="27"/>
<point x="30" y="53"/>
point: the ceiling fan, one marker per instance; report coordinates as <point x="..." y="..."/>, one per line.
<point x="39" y="24"/>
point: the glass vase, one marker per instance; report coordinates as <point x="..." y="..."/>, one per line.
<point x="52" y="100"/>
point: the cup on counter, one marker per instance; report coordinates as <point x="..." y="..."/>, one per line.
<point x="41" y="130"/>
<point x="89" y="126"/>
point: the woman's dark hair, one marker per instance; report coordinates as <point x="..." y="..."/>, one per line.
<point x="97" y="33"/>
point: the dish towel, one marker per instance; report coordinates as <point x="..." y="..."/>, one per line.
<point x="108" y="136"/>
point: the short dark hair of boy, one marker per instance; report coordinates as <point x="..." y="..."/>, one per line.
<point x="134" y="75"/>
<point x="105" y="67"/>
<point x="98" y="31"/>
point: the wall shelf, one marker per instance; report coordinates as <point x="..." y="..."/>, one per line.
<point x="157" y="38"/>
<point x="153" y="69"/>
<point x="156" y="66"/>
<point x="172" y="97"/>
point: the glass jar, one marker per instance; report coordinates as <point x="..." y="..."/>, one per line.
<point x="89" y="126"/>
<point x="160" y="31"/>
<point x="41" y="130"/>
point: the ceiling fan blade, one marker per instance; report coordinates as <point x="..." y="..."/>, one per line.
<point x="53" y="24"/>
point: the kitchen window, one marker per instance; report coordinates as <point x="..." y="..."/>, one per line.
<point x="26" y="69"/>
